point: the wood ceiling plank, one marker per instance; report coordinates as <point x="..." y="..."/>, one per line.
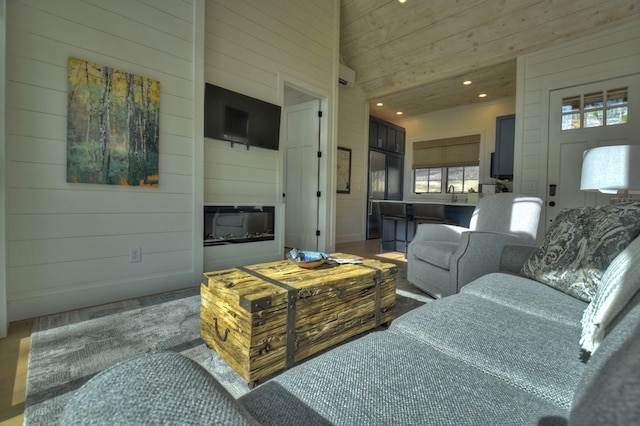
<point x="472" y="31"/>
<point x="499" y="81"/>
<point x="436" y="33"/>
<point x="416" y="53"/>
<point x="452" y="56"/>
<point x="404" y="24"/>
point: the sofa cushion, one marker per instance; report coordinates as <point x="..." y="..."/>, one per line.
<point x="609" y="389"/>
<point x="532" y="353"/>
<point x="529" y="296"/>
<point x="437" y="253"/>
<point x="620" y="282"/>
<point x="390" y="379"/>
<point x="580" y="245"/>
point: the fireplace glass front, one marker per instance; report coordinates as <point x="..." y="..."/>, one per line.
<point x="238" y="224"/>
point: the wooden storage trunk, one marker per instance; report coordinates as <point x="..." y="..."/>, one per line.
<point x="264" y="318"/>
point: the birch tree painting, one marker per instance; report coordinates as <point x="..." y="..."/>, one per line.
<point x="112" y="126"/>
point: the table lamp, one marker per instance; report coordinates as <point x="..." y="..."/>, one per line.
<point x="611" y="169"/>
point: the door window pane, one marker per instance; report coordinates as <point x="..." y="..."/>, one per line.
<point x="593" y="119"/>
<point x="617" y="107"/>
<point x="571" y="104"/>
<point x="597" y="109"/>
<point x="593" y="101"/>
<point x="571" y="113"/>
<point x="617" y="116"/>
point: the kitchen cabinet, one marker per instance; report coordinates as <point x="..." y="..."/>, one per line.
<point x="400" y="140"/>
<point x="385" y="183"/>
<point x="386" y="169"/>
<point x="386" y="136"/>
<point x="391" y="139"/>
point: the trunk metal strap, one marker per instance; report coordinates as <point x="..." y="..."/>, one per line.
<point x="292" y="296"/>
<point x="376" y="277"/>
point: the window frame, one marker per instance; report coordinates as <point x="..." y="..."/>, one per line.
<point x="595" y="109"/>
<point x="444" y="179"/>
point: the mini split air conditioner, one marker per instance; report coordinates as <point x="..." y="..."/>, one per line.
<point x="346" y="76"/>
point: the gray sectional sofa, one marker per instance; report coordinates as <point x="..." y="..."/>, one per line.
<point x="508" y="349"/>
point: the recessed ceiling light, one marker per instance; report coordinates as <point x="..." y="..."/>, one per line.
<point x="482" y="95"/>
<point x="402" y="1"/>
<point x="466" y="82"/>
<point x="379" y="104"/>
<point x="399" y="113"/>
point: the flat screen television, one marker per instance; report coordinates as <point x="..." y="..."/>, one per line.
<point x="237" y="118"/>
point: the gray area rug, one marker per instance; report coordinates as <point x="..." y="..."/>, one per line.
<point x="68" y="349"/>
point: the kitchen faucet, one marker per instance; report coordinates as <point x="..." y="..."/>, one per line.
<point x="452" y="190"/>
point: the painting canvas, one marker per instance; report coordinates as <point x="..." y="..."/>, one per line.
<point x="112" y="126"/>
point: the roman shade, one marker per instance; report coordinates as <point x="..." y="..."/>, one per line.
<point x="449" y="152"/>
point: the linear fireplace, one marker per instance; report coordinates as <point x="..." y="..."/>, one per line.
<point x="238" y="224"/>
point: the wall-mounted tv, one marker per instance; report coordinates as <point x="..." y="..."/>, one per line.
<point x="237" y="118"/>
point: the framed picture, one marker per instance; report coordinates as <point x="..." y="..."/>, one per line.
<point x="113" y="122"/>
<point x="344" y="171"/>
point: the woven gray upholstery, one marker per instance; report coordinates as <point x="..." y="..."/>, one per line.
<point x="514" y="256"/>
<point x="158" y="389"/>
<point x="609" y="391"/>
<point x="390" y="379"/>
<point x="526" y="295"/>
<point x="508" y="343"/>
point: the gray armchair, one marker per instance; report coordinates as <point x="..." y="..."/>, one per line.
<point x="441" y="259"/>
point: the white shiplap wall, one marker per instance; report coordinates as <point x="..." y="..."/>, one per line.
<point x="599" y="57"/>
<point x="67" y="243"/>
<point x="353" y="124"/>
<point x="256" y="48"/>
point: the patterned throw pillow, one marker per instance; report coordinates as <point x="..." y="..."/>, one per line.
<point x="620" y="283"/>
<point x="580" y="245"/>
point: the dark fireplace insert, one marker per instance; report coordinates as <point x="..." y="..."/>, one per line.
<point x="238" y="224"/>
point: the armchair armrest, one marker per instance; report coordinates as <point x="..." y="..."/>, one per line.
<point x="438" y="232"/>
<point x="480" y="253"/>
<point x="514" y="256"/>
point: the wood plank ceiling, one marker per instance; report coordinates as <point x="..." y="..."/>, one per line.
<point x="413" y="57"/>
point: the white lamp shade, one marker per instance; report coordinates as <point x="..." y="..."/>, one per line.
<point x="611" y="169"/>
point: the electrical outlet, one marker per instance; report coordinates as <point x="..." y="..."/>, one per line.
<point x="135" y="254"/>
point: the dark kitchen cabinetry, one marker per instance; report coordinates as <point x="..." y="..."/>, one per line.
<point x="502" y="158"/>
<point x="386" y="169"/>
<point x="386" y="136"/>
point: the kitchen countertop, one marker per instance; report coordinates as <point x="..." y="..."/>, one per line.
<point x="426" y="202"/>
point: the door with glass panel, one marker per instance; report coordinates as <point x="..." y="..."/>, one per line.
<point x="581" y="118"/>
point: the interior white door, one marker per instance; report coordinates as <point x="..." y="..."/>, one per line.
<point x="566" y="147"/>
<point x="301" y="175"/>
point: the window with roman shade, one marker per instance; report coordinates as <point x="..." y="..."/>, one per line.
<point x="450" y="152"/>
